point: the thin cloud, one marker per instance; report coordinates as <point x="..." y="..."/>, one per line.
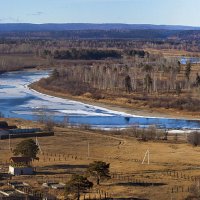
<point x="38" y="13"/>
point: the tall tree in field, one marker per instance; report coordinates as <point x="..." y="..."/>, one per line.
<point x="188" y="71"/>
<point x="148" y="83"/>
<point x="197" y="83"/>
<point x="55" y="74"/>
<point x="99" y="170"/>
<point x="27" y="148"/>
<point x="128" y="84"/>
<point x="77" y="185"/>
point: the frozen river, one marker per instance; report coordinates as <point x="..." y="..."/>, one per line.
<point x="17" y="100"/>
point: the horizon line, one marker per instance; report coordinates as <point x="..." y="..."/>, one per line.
<point x="102" y="23"/>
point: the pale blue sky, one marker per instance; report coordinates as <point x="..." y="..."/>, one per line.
<point x="176" y="12"/>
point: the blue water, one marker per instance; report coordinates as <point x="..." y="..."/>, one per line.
<point x="191" y="60"/>
<point x="17" y="100"/>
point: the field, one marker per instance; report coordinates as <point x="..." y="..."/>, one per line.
<point x="173" y="169"/>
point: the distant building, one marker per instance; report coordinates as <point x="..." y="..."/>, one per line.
<point x="8" y="132"/>
<point x="3" y="133"/>
<point x="20" y="166"/>
<point x="4" y="125"/>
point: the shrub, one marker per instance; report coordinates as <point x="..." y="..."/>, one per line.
<point x="194" y="138"/>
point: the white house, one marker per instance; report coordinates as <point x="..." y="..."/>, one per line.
<point x="20" y="166"/>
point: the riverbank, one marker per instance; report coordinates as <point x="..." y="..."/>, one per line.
<point x="121" y="106"/>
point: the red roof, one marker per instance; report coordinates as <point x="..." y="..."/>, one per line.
<point x="21" y="159"/>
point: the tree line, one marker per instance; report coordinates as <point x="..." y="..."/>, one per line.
<point x="83" y="54"/>
<point x="158" y="81"/>
<point x="92" y="54"/>
<point x="163" y="76"/>
<point x="38" y="45"/>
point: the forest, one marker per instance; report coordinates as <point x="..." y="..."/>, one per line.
<point x="75" y="54"/>
<point x="129" y="71"/>
<point x="155" y="81"/>
<point x="91" y="54"/>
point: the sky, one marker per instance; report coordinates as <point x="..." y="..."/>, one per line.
<point x="170" y="12"/>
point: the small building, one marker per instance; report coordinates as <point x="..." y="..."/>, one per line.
<point x="4" y="125"/>
<point x="18" y="184"/>
<point x="53" y="185"/>
<point x="20" y="166"/>
<point x="4" y="134"/>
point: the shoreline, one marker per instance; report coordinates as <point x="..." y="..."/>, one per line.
<point x="119" y="107"/>
<point x="132" y="110"/>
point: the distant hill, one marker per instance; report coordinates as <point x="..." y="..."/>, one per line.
<point x="91" y="34"/>
<point x="12" y="27"/>
<point x="98" y="31"/>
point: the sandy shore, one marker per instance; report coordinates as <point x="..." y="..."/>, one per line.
<point x="133" y="109"/>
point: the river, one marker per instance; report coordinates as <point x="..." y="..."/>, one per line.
<point x="18" y="101"/>
<point x="192" y="60"/>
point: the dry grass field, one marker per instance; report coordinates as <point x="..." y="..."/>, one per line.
<point x="19" y="61"/>
<point x="173" y="169"/>
<point x="172" y="52"/>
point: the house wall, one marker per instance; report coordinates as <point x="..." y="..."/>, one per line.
<point x="21" y="170"/>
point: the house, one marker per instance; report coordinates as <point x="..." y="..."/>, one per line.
<point x="4" y="125"/>
<point x="20" y="166"/>
<point x="18" y="184"/>
<point x="8" y="132"/>
<point x="3" y="134"/>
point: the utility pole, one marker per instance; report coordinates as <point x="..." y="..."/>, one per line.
<point x="37" y="143"/>
<point x="88" y="150"/>
<point x="147" y="154"/>
<point x="9" y="142"/>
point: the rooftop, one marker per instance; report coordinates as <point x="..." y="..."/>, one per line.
<point x="20" y="159"/>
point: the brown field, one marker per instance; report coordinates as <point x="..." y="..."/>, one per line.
<point x="20" y="61"/>
<point x="172" y="52"/>
<point x="174" y="166"/>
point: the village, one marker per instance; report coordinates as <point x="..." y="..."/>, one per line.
<point x="131" y="165"/>
<point x="17" y="171"/>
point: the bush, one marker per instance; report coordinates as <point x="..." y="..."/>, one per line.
<point x="150" y="133"/>
<point x="186" y="103"/>
<point x="194" y="193"/>
<point x="87" y="95"/>
<point x="194" y="138"/>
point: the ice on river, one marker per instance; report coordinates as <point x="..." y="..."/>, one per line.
<point x="14" y="89"/>
<point x="17" y="100"/>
